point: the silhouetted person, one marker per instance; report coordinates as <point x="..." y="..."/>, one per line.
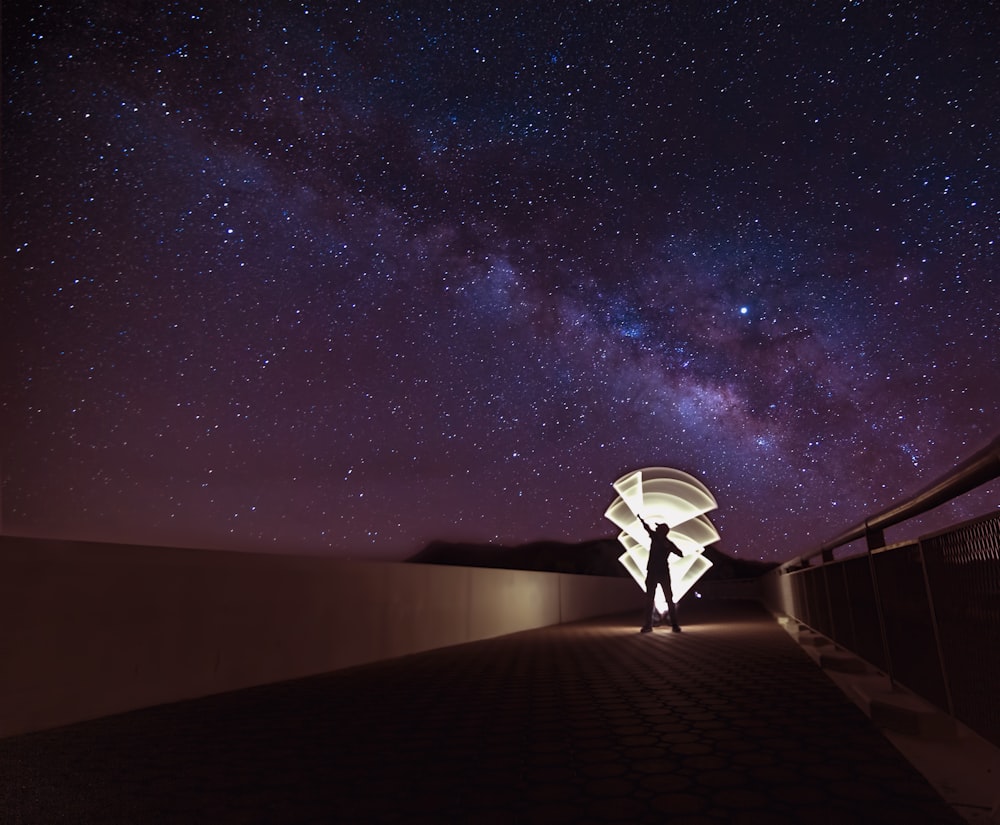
<point x="658" y="572"/>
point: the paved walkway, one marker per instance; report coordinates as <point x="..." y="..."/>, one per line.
<point x="728" y="722"/>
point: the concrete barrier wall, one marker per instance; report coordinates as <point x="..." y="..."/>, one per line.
<point x="90" y="629"/>
<point x="776" y="593"/>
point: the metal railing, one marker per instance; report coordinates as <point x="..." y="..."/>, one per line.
<point x="926" y="611"/>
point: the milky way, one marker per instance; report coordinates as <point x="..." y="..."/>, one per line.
<point x="347" y="278"/>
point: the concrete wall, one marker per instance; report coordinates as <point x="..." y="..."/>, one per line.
<point x="776" y="592"/>
<point x="90" y="629"/>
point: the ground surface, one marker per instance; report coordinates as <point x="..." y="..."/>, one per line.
<point x="727" y="722"/>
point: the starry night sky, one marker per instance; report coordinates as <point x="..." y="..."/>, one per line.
<point x="345" y="278"/>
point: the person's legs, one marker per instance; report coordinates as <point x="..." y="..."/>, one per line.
<point x="650" y="606"/>
<point x="667" y="591"/>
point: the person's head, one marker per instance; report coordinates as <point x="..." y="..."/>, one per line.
<point x="662" y="529"/>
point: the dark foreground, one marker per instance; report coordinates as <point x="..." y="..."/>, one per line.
<point x="727" y="722"/>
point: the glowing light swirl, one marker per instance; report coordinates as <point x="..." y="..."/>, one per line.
<point x="663" y="494"/>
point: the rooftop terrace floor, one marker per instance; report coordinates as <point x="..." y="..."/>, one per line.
<point x="591" y="722"/>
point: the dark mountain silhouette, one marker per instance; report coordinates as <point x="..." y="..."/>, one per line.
<point x="725" y="566"/>
<point x="594" y="558"/>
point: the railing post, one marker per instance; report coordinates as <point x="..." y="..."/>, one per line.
<point x="937" y="635"/>
<point x="876" y="539"/>
<point x="850" y="612"/>
<point x="829" y="602"/>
